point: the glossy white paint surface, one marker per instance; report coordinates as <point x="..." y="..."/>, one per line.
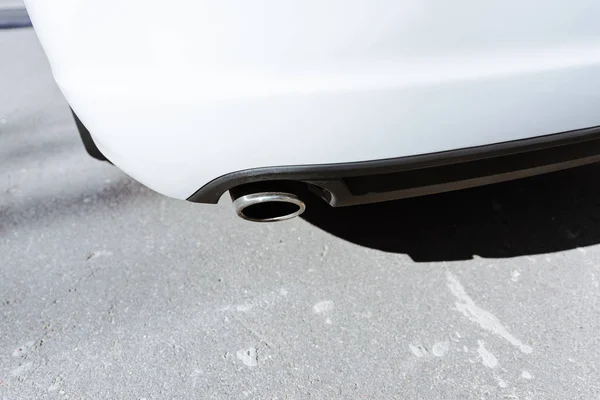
<point x="178" y="93"/>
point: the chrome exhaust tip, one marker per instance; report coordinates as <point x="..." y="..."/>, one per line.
<point x="268" y="206"/>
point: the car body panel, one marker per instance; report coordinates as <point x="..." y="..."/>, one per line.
<point x="178" y="94"/>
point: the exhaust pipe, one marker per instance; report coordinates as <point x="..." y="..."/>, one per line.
<point x="266" y="206"/>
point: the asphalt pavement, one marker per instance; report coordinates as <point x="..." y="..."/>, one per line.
<point x="109" y="290"/>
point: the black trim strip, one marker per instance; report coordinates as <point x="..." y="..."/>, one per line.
<point x="331" y="176"/>
<point x="88" y="141"/>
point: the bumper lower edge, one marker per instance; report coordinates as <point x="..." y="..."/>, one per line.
<point x="382" y="180"/>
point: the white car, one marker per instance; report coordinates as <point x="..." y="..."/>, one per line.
<point x="352" y="101"/>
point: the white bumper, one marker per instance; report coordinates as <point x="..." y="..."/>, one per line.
<point x="179" y="93"/>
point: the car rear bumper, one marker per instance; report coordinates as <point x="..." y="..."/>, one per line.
<point x="177" y="96"/>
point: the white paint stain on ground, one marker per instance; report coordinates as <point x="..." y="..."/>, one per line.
<point x="501" y="382"/>
<point x="418" y="350"/>
<point x="488" y="359"/>
<point x="515" y="275"/>
<point x="23" y="349"/>
<point x="484" y="318"/>
<point x="595" y="281"/>
<point x="440" y="349"/>
<point x="56" y="384"/>
<point x="21" y="369"/>
<point x="99" y="253"/>
<point x="526" y="375"/>
<point x="248" y="356"/>
<point x="263" y="301"/>
<point x="323" y="307"/>
<point x="245" y="307"/>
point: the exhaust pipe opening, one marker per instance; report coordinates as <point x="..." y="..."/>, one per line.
<point x="268" y="206"/>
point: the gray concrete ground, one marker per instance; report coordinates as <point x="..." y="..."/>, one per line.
<point x="11" y="4"/>
<point x="109" y="290"/>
